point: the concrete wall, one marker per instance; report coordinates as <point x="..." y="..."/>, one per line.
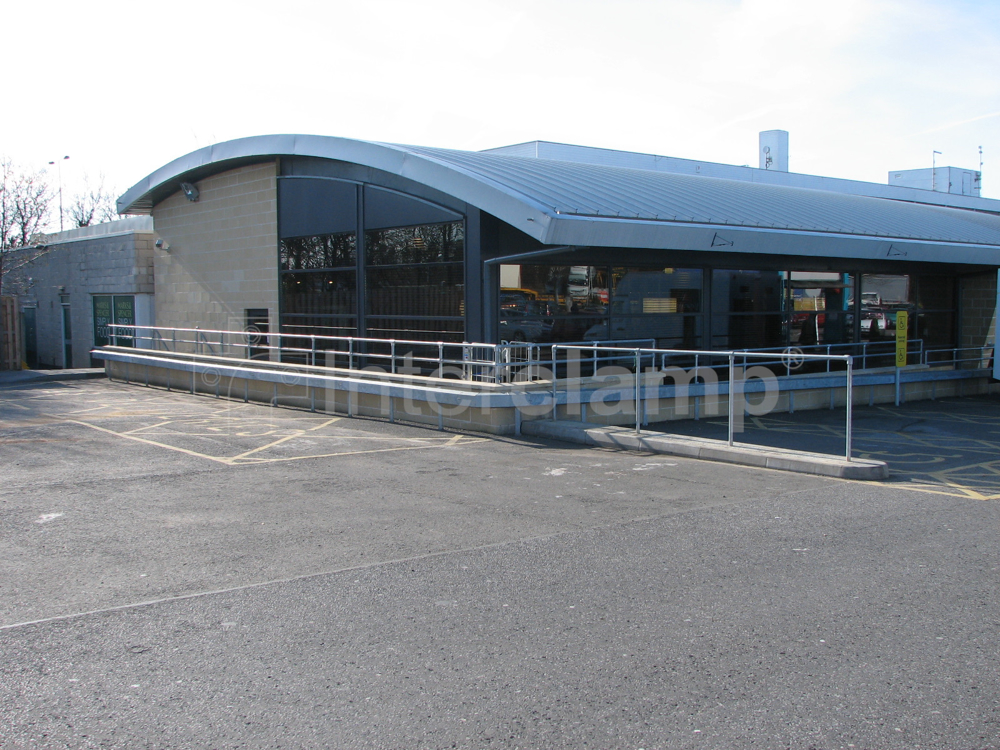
<point x="220" y="253"/>
<point x="113" y="258"/>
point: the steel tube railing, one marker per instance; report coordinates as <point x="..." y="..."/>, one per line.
<point x="736" y="380"/>
<point x="504" y="363"/>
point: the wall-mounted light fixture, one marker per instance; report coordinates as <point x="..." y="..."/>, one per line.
<point x="161" y="245"/>
<point x="190" y="191"/>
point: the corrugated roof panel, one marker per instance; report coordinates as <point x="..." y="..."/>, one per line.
<point x="545" y="197"/>
<point x="597" y="190"/>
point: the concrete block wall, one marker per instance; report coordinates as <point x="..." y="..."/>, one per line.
<point x="78" y="264"/>
<point x="979" y="309"/>
<point x="220" y="254"/>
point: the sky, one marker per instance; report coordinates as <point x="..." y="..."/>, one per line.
<point x="862" y="86"/>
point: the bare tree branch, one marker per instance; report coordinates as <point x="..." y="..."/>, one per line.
<point x="93" y="205"/>
<point x="24" y="205"/>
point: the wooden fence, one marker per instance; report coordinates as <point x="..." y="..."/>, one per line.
<point x="10" y="332"/>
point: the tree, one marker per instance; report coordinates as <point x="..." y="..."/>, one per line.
<point x="24" y="205"/>
<point x="24" y="212"/>
<point x="92" y="205"/>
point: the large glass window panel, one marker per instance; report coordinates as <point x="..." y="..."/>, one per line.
<point x="820" y="308"/>
<point x="567" y="289"/>
<point x="656" y="291"/>
<point x="319" y="251"/>
<point x="319" y="292"/>
<point x="422" y="290"/>
<point x="553" y="304"/>
<point x="748" y="331"/>
<point x="433" y="243"/>
<point x="746" y="291"/>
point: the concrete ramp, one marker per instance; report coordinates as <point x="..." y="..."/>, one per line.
<point x="624" y="438"/>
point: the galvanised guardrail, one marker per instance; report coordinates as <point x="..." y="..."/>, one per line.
<point x="659" y="361"/>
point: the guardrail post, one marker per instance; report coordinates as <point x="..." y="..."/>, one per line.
<point x="638" y="392"/>
<point x="312" y="339"/>
<point x="497" y="375"/>
<point x="850" y="403"/>
<point x="732" y="394"/>
<point x="555" y="380"/>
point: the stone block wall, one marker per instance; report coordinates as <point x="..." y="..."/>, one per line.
<point x="220" y="253"/>
<point x="72" y="266"/>
<point x="979" y="310"/>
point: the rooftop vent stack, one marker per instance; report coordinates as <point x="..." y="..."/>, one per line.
<point x="774" y="150"/>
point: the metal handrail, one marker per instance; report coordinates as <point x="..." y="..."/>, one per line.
<point x="955" y="359"/>
<point x="639" y="355"/>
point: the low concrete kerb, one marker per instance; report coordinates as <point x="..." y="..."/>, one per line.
<point x="23" y="377"/>
<point x="624" y="438"/>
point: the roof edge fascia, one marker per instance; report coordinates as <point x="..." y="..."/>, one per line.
<point x="509" y="205"/>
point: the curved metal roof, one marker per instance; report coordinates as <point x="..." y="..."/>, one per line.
<point x="569" y="203"/>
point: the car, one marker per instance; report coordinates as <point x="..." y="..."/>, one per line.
<point x="873" y="322"/>
<point x="526" y="320"/>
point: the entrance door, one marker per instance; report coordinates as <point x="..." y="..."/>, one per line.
<point x="67" y="332"/>
<point x="28" y="316"/>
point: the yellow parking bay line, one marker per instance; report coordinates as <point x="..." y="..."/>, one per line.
<point x="300" y="433"/>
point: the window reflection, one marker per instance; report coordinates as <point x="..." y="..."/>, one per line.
<point x="415" y="282"/>
<point x="325" y="292"/>
<point x="428" y="290"/>
<point x="430" y="243"/>
<point x="320" y="251"/>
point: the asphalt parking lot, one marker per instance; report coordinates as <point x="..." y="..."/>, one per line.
<point x="182" y="571"/>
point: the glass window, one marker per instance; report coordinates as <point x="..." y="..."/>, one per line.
<point x="664" y="304"/>
<point x="319" y="292"/>
<point x="319" y="251"/>
<point x="553" y="304"/>
<point x="930" y="300"/>
<point x="820" y="308"/>
<point x="747" y="309"/>
<point x="419" y="290"/>
<point x="429" y="243"/>
<point x="415" y="282"/>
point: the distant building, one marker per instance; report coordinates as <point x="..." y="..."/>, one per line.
<point x="70" y="285"/>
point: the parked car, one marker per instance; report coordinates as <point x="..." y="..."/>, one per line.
<point x="526" y="320"/>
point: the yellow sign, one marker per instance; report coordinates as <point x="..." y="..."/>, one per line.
<point x="902" y="325"/>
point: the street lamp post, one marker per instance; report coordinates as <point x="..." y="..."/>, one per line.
<point x="59" y="170"/>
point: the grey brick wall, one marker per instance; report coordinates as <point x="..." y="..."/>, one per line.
<point x="223" y="251"/>
<point x="79" y="267"/>
<point x="979" y="313"/>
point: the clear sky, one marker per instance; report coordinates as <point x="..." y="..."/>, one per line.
<point x="862" y="86"/>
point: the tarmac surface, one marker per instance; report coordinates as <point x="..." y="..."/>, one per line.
<point x="181" y="571"/>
